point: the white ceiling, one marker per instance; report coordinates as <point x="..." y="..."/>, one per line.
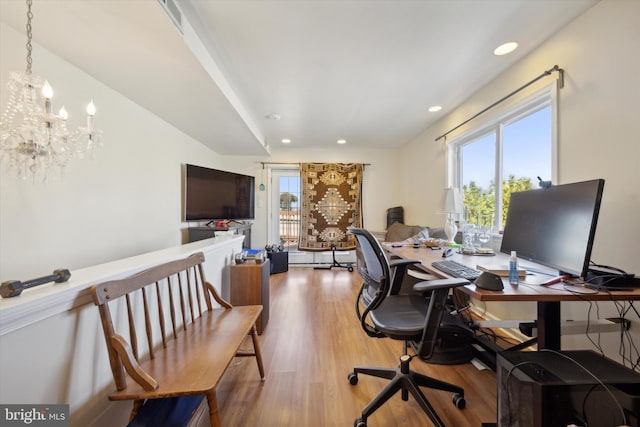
<point x="365" y="71"/>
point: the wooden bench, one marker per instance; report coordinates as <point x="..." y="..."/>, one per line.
<point x="178" y="343"/>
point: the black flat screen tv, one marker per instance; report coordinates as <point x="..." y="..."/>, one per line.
<point x="555" y="226"/>
<point x="212" y="194"/>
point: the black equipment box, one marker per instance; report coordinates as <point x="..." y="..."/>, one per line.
<point x="279" y="261"/>
<point x="549" y="389"/>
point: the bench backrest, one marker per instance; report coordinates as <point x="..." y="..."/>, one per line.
<point x="157" y="304"/>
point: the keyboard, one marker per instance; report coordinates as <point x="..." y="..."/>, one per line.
<point x="455" y="269"/>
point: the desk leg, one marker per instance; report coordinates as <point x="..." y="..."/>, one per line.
<point x="548" y="325"/>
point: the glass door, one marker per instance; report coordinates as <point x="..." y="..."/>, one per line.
<point x="284" y="213"/>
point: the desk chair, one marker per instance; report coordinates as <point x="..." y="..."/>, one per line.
<point x="400" y="317"/>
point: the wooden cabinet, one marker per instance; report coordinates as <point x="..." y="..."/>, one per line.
<point x="249" y="285"/>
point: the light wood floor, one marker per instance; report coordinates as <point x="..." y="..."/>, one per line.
<point x="312" y="341"/>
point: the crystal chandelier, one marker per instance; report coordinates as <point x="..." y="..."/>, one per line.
<point x="34" y="139"/>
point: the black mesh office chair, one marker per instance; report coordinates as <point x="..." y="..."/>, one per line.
<point x="408" y="318"/>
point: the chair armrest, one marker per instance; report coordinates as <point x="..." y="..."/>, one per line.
<point x="432" y="285"/>
<point x="402" y="261"/>
<point x="399" y="269"/>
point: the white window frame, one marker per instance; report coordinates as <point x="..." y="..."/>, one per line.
<point x="274" y="174"/>
<point x="507" y="113"/>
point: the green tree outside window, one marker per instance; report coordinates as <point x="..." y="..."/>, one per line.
<point x="287" y="200"/>
<point x="479" y="202"/>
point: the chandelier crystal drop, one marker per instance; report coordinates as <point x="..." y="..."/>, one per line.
<point x="33" y="138"/>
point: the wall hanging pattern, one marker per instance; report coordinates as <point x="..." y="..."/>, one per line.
<point x="331" y="202"/>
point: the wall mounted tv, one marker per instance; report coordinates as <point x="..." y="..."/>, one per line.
<point x="216" y="194"/>
<point x="555" y="226"/>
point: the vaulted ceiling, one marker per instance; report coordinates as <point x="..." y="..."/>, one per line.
<point x="363" y="71"/>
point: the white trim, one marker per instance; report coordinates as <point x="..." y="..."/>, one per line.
<point x="275" y="172"/>
<point x="507" y="112"/>
<point x="553" y="92"/>
<point x="44" y="301"/>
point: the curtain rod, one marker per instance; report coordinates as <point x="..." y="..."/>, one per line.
<point x="294" y="163"/>
<point x="545" y="74"/>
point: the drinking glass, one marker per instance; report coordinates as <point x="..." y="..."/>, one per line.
<point x="484" y="233"/>
<point x="469" y="233"/>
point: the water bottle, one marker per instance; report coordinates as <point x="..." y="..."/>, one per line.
<point x="513" y="268"/>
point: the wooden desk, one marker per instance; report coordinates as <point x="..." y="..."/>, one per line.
<point x="548" y="298"/>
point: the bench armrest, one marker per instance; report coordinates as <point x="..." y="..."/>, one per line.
<point x="131" y="365"/>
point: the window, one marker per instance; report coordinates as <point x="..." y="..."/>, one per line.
<point x="513" y="150"/>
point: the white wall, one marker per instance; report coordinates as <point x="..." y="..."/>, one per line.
<point x="124" y="202"/>
<point x="599" y="134"/>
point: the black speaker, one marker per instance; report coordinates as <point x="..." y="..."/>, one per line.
<point x="395" y="215"/>
<point x="279" y="262"/>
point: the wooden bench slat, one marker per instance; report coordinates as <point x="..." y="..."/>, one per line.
<point x="133" y="337"/>
<point x="182" y="304"/>
<point x="147" y="323"/>
<point x="172" y="308"/>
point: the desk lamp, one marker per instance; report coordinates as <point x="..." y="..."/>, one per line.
<point x="453" y="206"/>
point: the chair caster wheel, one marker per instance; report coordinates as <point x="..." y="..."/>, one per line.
<point x="353" y="379"/>
<point x="458" y="401"/>
<point x="350" y="268"/>
<point x="359" y="422"/>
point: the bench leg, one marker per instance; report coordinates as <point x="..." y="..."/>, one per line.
<point x="214" y="415"/>
<point x="137" y="404"/>
<point x="257" y="350"/>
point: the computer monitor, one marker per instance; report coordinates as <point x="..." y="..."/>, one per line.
<point x="554" y="226"/>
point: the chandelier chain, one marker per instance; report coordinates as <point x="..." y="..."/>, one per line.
<point x="29" y="36"/>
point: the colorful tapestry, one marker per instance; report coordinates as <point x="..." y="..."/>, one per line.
<point x="331" y="202"/>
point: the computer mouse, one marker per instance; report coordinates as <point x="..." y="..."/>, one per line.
<point x="447" y="253"/>
<point x="489" y="281"/>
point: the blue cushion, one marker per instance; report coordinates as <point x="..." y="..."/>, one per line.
<point x="167" y="412"/>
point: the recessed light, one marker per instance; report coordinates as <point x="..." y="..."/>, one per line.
<point x="286" y="141"/>
<point x="341" y="141"/>
<point x="506" y="48"/>
<point x="273" y="116"/>
<point x="435" y="108"/>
